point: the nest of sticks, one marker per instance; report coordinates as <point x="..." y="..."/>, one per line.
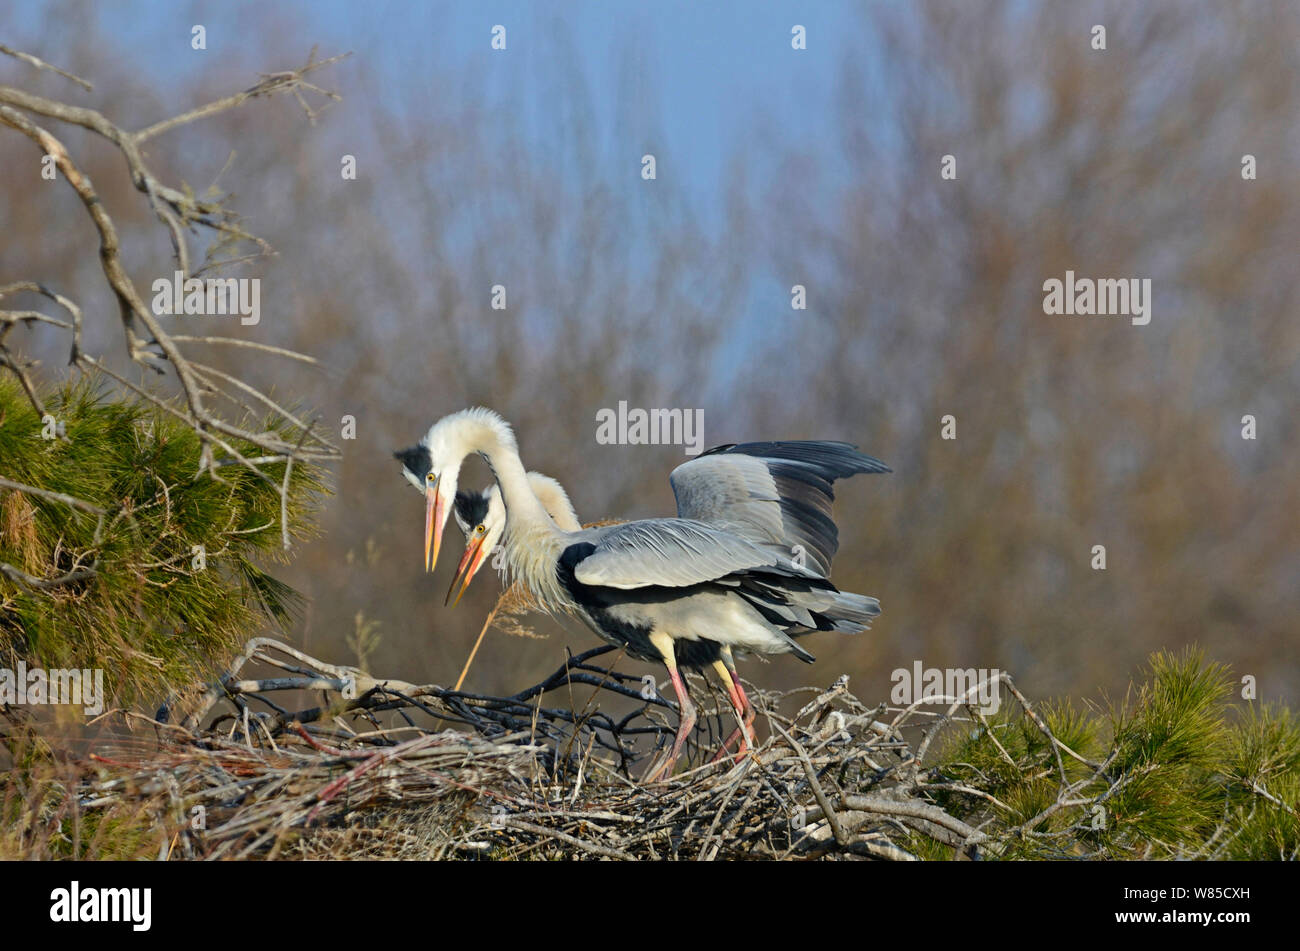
<point x="386" y="769"/>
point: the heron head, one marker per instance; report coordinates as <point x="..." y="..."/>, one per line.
<point x="482" y="519"/>
<point x="433" y="466"/>
<point x="434" y="475"/>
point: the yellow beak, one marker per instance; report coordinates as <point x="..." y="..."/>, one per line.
<point x="469" y="564"/>
<point x="435" y="517"/>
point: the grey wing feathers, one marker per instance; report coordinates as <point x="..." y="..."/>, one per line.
<point x="736" y="492"/>
<point x="776" y="493"/>
<point x="668" y="552"/>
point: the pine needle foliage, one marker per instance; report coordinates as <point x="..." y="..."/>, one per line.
<point x="178" y="556"/>
<point x="1175" y="770"/>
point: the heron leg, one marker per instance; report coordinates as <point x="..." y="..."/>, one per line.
<point x="740" y="703"/>
<point x="686" y="709"/>
<point x="746" y="713"/>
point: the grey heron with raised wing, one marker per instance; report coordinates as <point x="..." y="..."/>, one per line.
<point x="723" y="576"/>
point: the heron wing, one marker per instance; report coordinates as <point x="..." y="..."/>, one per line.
<point x="668" y="552"/>
<point x="775" y="493"/>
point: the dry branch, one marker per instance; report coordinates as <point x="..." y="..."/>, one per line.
<point x="368" y="770"/>
<point x="287" y="439"/>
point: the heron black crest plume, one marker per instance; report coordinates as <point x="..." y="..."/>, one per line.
<point x="471" y="506"/>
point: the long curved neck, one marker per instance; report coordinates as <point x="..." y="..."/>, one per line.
<point x="523" y="508"/>
<point x="520" y="500"/>
<point x="556" y="501"/>
<point x="533" y="541"/>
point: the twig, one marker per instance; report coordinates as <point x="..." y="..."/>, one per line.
<point x="41" y="64"/>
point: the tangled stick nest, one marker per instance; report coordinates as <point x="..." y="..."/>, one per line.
<point x="391" y="769"/>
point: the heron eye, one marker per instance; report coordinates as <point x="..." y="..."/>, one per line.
<point x="428" y="477"/>
<point x="480" y="530"/>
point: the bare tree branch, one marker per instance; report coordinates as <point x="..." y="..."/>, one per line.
<point x="46" y="584"/>
<point x="41" y="64"/>
<point x="179" y="212"/>
<point x="288" y="81"/>
<point x="52" y="496"/>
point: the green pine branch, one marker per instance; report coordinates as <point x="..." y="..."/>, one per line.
<point x="161" y="574"/>
<point x="1175" y="770"/>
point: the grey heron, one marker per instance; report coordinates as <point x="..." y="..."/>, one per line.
<point x="736" y="486"/>
<point x="682" y="591"/>
<point x="481" y="517"/>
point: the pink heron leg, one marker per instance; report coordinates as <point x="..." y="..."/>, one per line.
<point x="685" y="707"/>
<point x="745" y="714"/>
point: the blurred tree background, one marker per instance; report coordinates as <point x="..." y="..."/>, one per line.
<point x="924" y="298"/>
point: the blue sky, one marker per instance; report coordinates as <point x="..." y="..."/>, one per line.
<point x="693" y="83"/>
<point x="699" y="75"/>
